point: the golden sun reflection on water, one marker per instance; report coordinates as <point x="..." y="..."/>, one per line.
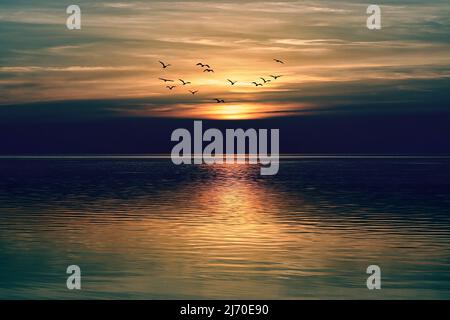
<point x="227" y="233"/>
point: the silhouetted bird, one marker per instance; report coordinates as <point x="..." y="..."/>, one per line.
<point x="279" y="61"/>
<point x="265" y="81"/>
<point x="257" y="84"/>
<point x="165" y="80"/>
<point x="276" y="77"/>
<point x="184" y="82"/>
<point x="208" y="70"/>
<point x="232" y="82"/>
<point x="164" y="65"/>
<point x="193" y="92"/>
<point x="219" y="100"/>
<point x="170" y="87"/>
<point x="203" y="65"/>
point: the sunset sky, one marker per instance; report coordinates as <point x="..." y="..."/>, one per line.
<point x="333" y="63"/>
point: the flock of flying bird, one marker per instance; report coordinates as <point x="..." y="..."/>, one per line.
<point x="208" y="69"/>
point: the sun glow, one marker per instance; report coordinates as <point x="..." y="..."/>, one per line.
<point x="223" y="111"/>
<point x="234" y="112"/>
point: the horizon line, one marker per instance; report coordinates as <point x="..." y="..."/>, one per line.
<point x="281" y="156"/>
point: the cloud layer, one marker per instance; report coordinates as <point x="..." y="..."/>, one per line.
<point x="332" y="59"/>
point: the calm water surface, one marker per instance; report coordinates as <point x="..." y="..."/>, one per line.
<point x="146" y="229"/>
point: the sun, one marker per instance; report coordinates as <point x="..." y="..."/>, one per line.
<point x="232" y="111"/>
<point x="224" y="111"/>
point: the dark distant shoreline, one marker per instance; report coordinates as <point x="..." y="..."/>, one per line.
<point x="282" y="156"/>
